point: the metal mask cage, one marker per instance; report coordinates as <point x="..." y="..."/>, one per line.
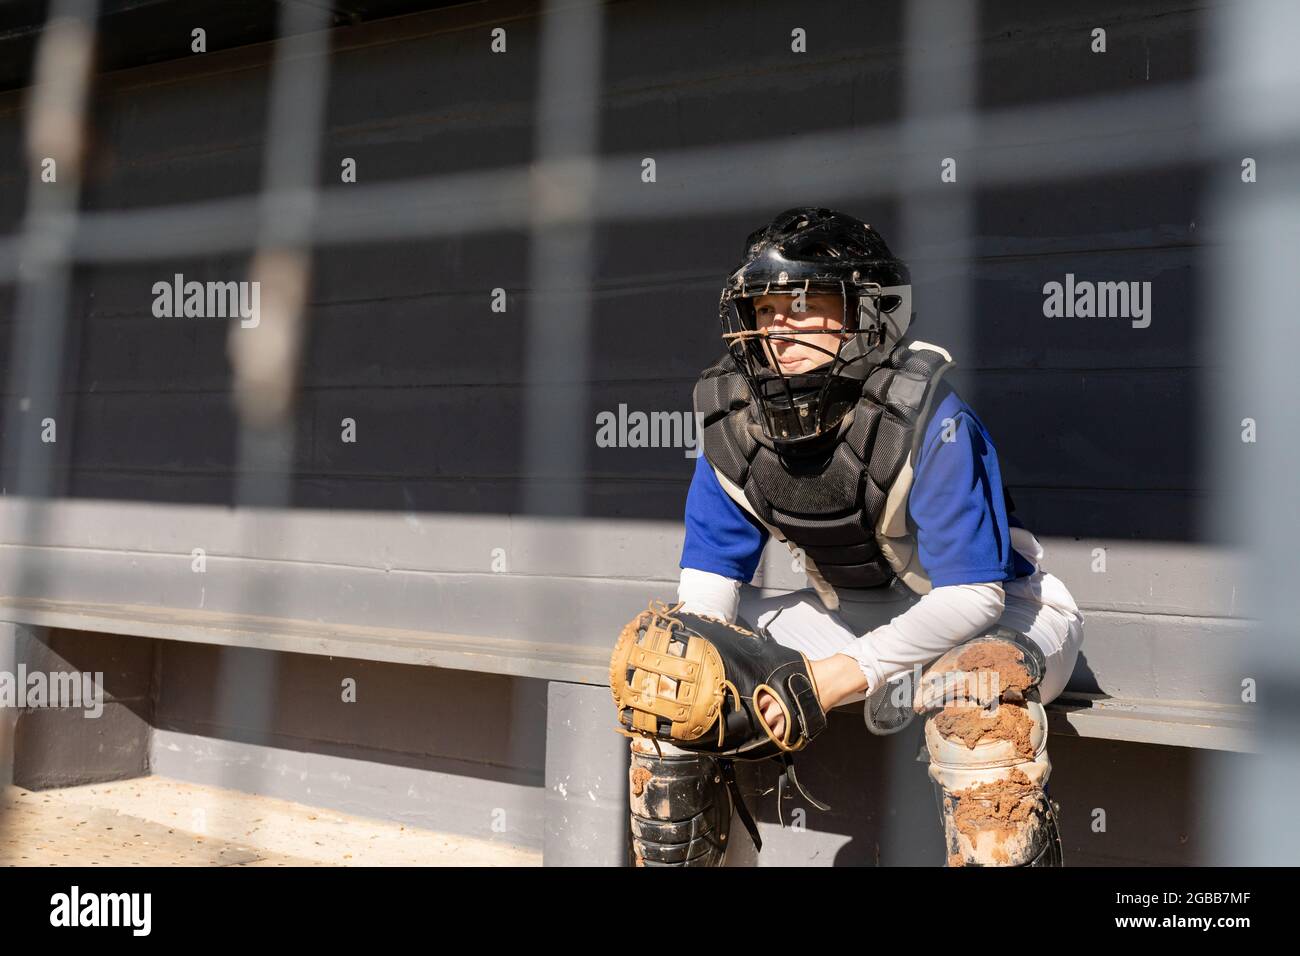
<point x="803" y="405"/>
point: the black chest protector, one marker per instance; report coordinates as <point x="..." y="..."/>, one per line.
<point x="829" y="504"/>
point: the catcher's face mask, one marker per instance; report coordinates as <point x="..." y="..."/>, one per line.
<point x="805" y="367"/>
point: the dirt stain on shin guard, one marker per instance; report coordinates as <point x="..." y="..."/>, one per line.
<point x="973" y="725"/>
<point x="1002" y="660"/>
<point x="639" y="777"/>
<point x="1006" y="809"/>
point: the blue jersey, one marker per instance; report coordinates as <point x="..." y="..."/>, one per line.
<point x="956" y="504"/>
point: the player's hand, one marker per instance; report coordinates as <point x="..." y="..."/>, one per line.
<point x="771" y="712"/>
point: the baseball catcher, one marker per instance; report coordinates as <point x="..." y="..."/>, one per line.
<point x="829" y="428"/>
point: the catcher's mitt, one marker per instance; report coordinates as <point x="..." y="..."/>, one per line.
<point x="693" y="680"/>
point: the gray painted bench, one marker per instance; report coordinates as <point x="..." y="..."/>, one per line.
<point x="1183" y="723"/>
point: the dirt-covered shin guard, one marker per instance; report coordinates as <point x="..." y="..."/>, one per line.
<point x="988" y="753"/>
<point x="680" y="807"/>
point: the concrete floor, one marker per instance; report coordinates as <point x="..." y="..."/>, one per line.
<point x="156" y="821"/>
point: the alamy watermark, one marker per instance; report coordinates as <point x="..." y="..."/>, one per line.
<point x="75" y="908"/>
<point x="208" y="300"/>
<point x="624" y="429"/>
<point x="954" y="688"/>
<point x="73" y="689"/>
<point x="1101" y="300"/>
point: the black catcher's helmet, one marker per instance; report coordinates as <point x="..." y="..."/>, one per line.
<point x="814" y="250"/>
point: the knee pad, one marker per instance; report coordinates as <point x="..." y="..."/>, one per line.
<point x="680" y="807"/>
<point x="999" y="664"/>
<point x="988" y="754"/>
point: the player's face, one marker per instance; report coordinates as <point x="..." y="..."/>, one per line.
<point x="822" y="312"/>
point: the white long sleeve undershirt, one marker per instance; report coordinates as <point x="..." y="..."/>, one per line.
<point x="940" y="620"/>
<point x="709" y="594"/>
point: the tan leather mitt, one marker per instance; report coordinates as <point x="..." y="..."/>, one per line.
<point x="692" y="681"/>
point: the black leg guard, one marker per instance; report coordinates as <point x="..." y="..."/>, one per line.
<point x="680" y="808"/>
<point x="1051" y="853"/>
